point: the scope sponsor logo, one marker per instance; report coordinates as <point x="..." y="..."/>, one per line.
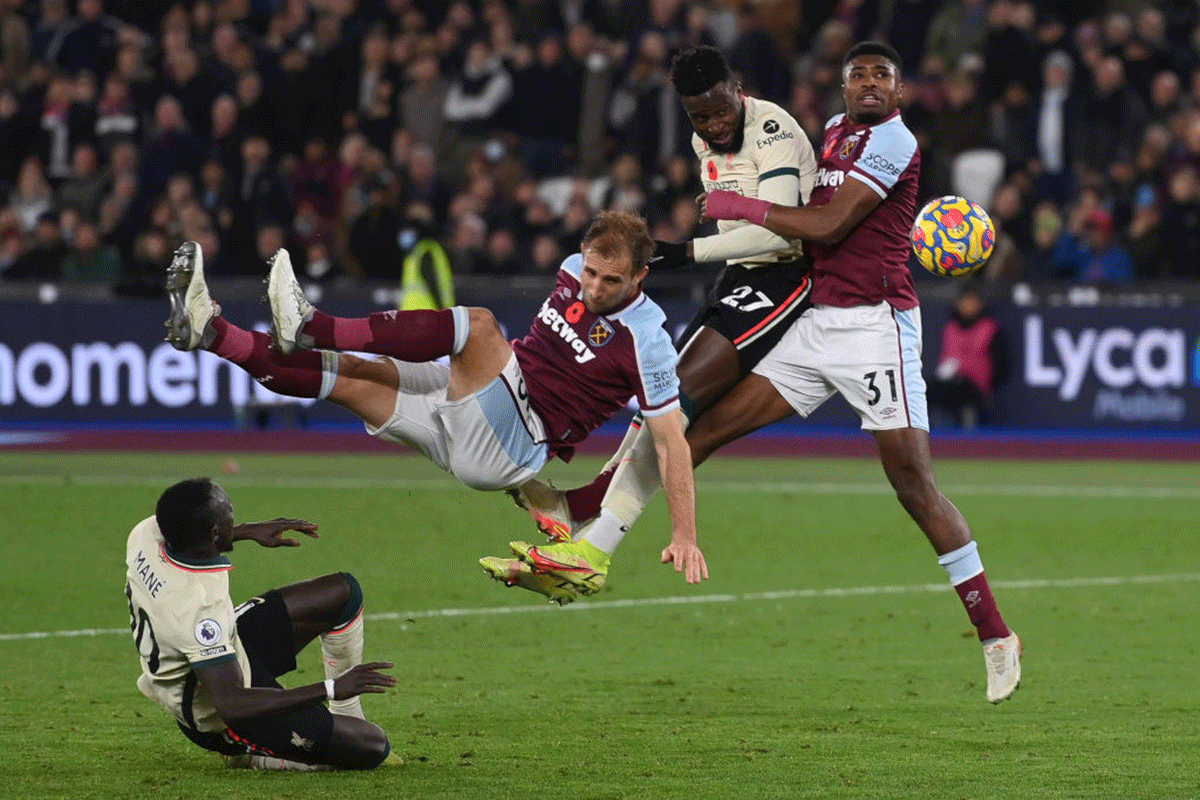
<point x="1136" y="369"/>
<point x="43" y="375"/>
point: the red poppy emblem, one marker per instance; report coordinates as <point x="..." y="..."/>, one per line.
<point x="712" y="170"/>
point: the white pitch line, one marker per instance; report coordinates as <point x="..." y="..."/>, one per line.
<point x="684" y="600"/>
<point x="879" y="488"/>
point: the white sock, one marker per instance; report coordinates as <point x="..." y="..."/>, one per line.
<point x="605" y="532"/>
<point x="329" y="373"/>
<point x="962" y="564"/>
<point x="341" y="650"/>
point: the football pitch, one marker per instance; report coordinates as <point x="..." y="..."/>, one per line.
<point x="827" y="656"/>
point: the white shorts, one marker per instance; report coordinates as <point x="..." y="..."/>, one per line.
<point x="492" y="439"/>
<point x="870" y="354"/>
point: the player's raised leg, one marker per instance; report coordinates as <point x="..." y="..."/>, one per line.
<point x="909" y="467"/>
<point x="196" y="323"/>
<point x="415" y="336"/>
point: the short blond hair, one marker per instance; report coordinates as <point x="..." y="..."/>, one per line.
<point x="613" y="234"/>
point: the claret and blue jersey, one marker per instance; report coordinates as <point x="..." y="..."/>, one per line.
<point x="581" y="368"/>
<point x="870" y="265"/>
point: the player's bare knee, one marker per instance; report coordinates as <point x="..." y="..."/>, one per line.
<point x="358" y="744"/>
<point x="484" y="325"/>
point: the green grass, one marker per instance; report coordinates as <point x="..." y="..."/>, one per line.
<point x="811" y="692"/>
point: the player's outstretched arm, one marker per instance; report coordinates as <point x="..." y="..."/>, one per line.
<point x="270" y="533"/>
<point x="827" y="224"/>
<point x="237" y="703"/>
<point x="675" y="466"/>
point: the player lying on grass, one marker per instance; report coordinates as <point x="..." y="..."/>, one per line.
<point x="214" y="667"/>
<point x="500" y="411"/>
<point x="741" y="142"/>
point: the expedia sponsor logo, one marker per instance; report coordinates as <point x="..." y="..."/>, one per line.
<point x="829" y="177"/>
<point x="729" y="185"/>
<point x="555" y="322"/>
<point x="770" y="126"/>
<point x="776" y="137"/>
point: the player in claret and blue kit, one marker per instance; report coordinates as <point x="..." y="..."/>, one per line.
<point x="500" y="410"/>
<point x="862" y="337"/>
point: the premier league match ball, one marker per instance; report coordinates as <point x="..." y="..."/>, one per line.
<point x="953" y="236"/>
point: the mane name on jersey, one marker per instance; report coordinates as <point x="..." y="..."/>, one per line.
<point x="152" y="582"/>
<point x="829" y="177"/>
<point x="555" y="322"/>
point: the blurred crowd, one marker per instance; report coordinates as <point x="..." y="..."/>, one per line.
<point x="350" y="130"/>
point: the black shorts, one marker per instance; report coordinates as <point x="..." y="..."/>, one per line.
<point x="265" y="631"/>
<point x="752" y="308"/>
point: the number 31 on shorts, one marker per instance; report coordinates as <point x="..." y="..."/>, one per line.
<point x="874" y="391"/>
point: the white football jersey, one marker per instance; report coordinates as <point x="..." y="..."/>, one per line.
<point x="776" y="163"/>
<point x="181" y="617"/>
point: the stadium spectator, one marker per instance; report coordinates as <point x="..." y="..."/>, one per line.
<point x="32" y="197"/>
<point x="1144" y="235"/>
<point x="142" y="272"/>
<point x="319" y="264"/>
<point x="1056" y="119"/>
<point x="756" y="56"/>
<point x="117" y="117"/>
<point x="88" y="41"/>
<point x="1113" y="118"/>
<point x="224" y="141"/>
<point x="261" y="199"/>
<point x="546" y="254"/>
<point x="85" y="186"/>
<point x="635" y="112"/>
<point x="171" y="148"/>
<point x="960" y="27"/>
<point x="972" y="361"/>
<point x="422" y="184"/>
<point x="373" y="234"/>
<point x="1181" y="247"/>
<point x="89" y="259"/>
<point x="215" y="669"/>
<point x="1047" y="228"/>
<point x="1009" y="49"/>
<point x="43" y="260"/>
<point x="51" y="24"/>
<point x="962" y="124"/>
<point x="423" y="102"/>
<point x="545" y="109"/>
<point x="476" y="100"/>
<point x="1094" y="255"/>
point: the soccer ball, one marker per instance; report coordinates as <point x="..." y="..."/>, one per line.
<point x="953" y="236"/>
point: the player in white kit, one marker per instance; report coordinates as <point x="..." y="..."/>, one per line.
<point x="749" y="146"/>
<point x="213" y="667"/>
